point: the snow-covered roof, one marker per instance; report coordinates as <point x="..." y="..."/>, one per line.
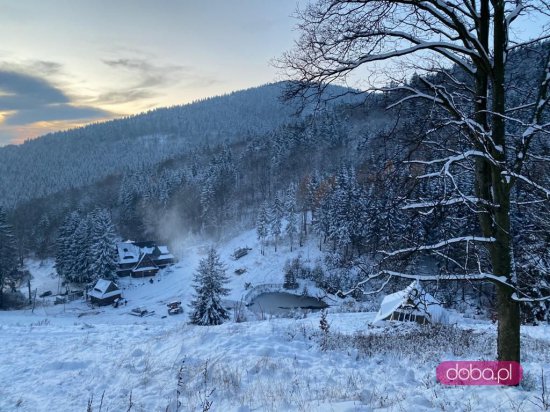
<point x="100" y="289"/>
<point x="425" y="304"/>
<point x="164" y="253"/>
<point x="145" y="268"/>
<point x="165" y="256"/>
<point x="145" y="263"/>
<point x="102" y="285"/>
<point x="127" y="252"/>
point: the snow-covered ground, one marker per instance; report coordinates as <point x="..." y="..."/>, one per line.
<point x="60" y="357"/>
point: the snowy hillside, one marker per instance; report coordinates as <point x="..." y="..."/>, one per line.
<point x="60" y="357"/>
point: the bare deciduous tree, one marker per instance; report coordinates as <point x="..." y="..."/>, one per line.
<point x="461" y="47"/>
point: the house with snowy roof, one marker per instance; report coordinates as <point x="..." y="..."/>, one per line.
<point x="104" y="292"/>
<point x="412" y="304"/>
<point x="139" y="259"/>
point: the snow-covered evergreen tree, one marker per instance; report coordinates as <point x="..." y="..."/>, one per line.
<point x="291" y="228"/>
<point x="290" y="269"/>
<point x="262" y="226"/>
<point x="64" y="259"/>
<point x="209" y="284"/>
<point x="8" y="251"/>
<point x="275" y="224"/>
<point x="40" y="237"/>
<point x="102" y="246"/>
<point x="80" y="272"/>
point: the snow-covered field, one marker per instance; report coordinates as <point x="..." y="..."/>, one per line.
<point x="60" y="358"/>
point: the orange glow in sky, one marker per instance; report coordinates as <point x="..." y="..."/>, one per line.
<point x="66" y="64"/>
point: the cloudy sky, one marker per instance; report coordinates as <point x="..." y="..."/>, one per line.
<point x="65" y="63"/>
<point x="69" y="62"/>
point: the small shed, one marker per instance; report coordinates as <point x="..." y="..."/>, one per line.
<point x="104" y="292"/>
<point x="412" y="304"/>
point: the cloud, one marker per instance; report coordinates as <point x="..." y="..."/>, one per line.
<point x="27" y="98"/>
<point x="124" y="96"/>
<point x="46" y="67"/>
<point x="149" y="79"/>
<point x="55" y="112"/>
<point x="148" y="75"/>
<point x="22" y="91"/>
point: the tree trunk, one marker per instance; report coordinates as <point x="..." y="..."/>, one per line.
<point x="491" y="186"/>
<point x="508" y="340"/>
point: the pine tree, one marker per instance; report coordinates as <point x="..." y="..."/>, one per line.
<point x="79" y="271"/>
<point x="290" y="275"/>
<point x="102" y="246"/>
<point x="291" y="227"/>
<point x="292" y="219"/>
<point x="40" y="236"/>
<point x="209" y="282"/>
<point x="275" y="225"/>
<point x="8" y="252"/>
<point x="64" y="260"/>
<point x="127" y="199"/>
<point x="312" y="188"/>
<point x="262" y="223"/>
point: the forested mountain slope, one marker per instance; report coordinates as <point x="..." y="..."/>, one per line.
<point x="78" y="157"/>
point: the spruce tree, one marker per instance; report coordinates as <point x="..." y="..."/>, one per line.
<point x="290" y="269"/>
<point x="275" y="225"/>
<point x="291" y="227"/>
<point x="292" y="218"/>
<point x="64" y="259"/>
<point x="8" y="252"/>
<point x="209" y="284"/>
<point x="262" y="223"/>
<point x="102" y="246"/>
<point x="79" y="271"/>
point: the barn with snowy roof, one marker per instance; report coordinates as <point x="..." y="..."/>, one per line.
<point x="104" y="292"/>
<point x="412" y="304"/>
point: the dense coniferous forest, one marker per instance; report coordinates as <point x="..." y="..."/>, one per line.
<point x="78" y="157"/>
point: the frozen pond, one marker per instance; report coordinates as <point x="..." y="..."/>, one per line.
<point x="281" y="303"/>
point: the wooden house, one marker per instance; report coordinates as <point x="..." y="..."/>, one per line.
<point x="139" y="259"/>
<point x="128" y="257"/>
<point x="145" y="267"/>
<point x="104" y="293"/>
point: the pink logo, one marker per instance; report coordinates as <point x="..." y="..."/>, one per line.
<point x="479" y="373"/>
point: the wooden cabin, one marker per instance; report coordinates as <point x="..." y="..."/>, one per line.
<point x="105" y="292"/>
